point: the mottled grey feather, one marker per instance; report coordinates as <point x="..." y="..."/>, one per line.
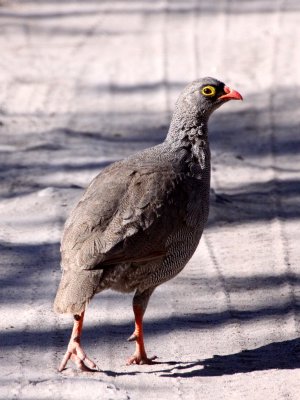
<point x="141" y="219"/>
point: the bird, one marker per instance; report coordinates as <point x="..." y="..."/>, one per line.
<point x="140" y="220"/>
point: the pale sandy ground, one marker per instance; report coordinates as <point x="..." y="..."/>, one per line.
<point x="84" y="83"/>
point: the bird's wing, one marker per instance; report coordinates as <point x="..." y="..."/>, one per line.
<point x="124" y="216"/>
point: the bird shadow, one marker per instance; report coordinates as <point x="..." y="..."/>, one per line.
<point x="277" y="355"/>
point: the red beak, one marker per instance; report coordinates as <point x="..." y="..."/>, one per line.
<point x="231" y="94"/>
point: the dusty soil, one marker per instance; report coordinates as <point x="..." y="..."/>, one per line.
<point x="83" y="84"/>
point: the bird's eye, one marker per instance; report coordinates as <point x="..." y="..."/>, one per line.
<point x="208" y="91"/>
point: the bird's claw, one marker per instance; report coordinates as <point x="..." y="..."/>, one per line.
<point x="141" y="360"/>
<point x="132" y="338"/>
<point x="79" y="358"/>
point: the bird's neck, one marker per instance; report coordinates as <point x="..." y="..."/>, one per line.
<point x="188" y="131"/>
<point x="186" y="125"/>
<point x="188" y="136"/>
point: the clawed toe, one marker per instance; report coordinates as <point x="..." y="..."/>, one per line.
<point x="141" y="360"/>
<point x="75" y="352"/>
<point x="79" y="358"/>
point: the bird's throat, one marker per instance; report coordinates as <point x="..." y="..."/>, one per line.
<point x="188" y="135"/>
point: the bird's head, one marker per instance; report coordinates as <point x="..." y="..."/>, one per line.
<point x="205" y="95"/>
<point x="196" y="103"/>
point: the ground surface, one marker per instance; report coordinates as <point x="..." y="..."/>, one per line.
<point x="85" y="83"/>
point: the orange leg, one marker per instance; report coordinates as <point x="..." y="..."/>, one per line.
<point x="75" y="351"/>
<point x="140" y="356"/>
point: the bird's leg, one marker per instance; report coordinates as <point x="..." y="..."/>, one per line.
<point x="140" y="302"/>
<point x="75" y="352"/>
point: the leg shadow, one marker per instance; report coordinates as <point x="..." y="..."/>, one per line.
<point x="279" y="355"/>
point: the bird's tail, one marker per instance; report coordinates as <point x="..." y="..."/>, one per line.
<point x="76" y="290"/>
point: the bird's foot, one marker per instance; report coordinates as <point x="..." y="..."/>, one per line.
<point x="76" y="353"/>
<point x="140" y="359"/>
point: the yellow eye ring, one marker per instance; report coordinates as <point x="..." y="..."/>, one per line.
<point x="208" y="91"/>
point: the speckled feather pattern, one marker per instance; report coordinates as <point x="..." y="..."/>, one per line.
<point x="141" y="219"/>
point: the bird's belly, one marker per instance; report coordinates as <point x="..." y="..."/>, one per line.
<point x="181" y="247"/>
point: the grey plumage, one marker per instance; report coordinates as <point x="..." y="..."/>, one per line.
<point x="141" y="219"/>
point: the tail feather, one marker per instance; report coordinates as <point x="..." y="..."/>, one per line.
<point x="75" y="291"/>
